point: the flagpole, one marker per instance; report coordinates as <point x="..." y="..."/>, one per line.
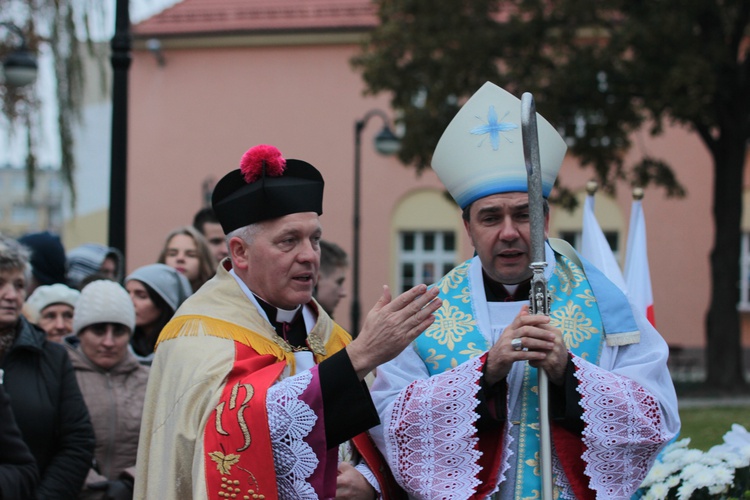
<point x="637" y="273"/>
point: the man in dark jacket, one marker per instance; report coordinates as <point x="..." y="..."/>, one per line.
<point x="18" y="472"/>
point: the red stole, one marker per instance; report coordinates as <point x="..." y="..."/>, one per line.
<point x="237" y="442"/>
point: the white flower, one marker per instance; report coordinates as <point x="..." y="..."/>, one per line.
<point x="689" y="457"/>
<point x="676" y="451"/>
<point x="729" y="456"/>
<point x="711" y="460"/>
<point x="691" y="470"/>
<point x="723" y="479"/>
<point x="684" y="491"/>
<point x="682" y="444"/>
<point x="658" y="491"/>
<point x="659" y="472"/>
<point x="737" y="437"/>
<point x="698" y="474"/>
<point x="672" y="481"/>
<point x="743" y="452"/>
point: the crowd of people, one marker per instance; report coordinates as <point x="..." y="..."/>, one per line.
<point x="219" y="371"/>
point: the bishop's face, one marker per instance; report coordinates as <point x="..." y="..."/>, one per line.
<point x="499" y="228"/>
<point x="284" y="259"/>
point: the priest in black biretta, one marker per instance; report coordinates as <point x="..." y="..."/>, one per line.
<point x="251" y="367"/>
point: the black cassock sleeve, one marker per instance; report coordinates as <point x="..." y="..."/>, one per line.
<point x="348" y="409"/>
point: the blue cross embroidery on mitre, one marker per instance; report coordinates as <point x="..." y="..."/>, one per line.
<point x="494" y="128"/>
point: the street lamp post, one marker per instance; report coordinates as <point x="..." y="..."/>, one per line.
<point x="121" y="44"/>
<point x="386" y="143"/>
<point x="19" y="66"/>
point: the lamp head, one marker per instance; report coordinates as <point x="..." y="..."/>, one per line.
<point x="20" y="67"/>
<point x="386" y="142"/>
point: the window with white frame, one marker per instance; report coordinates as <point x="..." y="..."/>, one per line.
<point x="425" y="256"/>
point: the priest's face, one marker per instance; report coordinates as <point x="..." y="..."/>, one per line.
<point x="283" y="258"/>
<point x="499" y="228"/>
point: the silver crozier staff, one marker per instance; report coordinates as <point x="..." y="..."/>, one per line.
<point x="538" y="296"/>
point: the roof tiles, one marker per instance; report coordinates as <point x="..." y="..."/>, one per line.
<point x="217" y="16"/>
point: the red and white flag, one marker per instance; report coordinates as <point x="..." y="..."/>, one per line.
<point x="596" y="249"/>
<point x="637" y="273"/>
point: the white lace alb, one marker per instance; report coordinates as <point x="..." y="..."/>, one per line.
<point x="432" y="438"/>
<point x="624" y="430"/>
<point x="290" y="420"/>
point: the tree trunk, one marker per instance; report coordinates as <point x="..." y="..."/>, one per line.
<point x="725" y="373"/>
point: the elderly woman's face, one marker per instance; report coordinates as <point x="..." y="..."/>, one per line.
<point x="12" y="296"/>
<point x="57" y="321"/>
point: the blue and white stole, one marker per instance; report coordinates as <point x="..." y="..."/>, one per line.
<point x="461" y="332"/>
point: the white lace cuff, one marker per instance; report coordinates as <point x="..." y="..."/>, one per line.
<point x="430" y="435"/>
<point x="367" y="473"/>
<point x="290" y="421"/>
<point x="625" y="429"/>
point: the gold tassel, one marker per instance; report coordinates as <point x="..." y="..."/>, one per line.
<point x="204" y="326"/>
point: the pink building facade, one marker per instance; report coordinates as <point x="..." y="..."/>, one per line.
<point x="241" y="73"/>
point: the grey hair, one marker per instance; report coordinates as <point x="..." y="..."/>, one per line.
<point x="245" y="233"/>
<point x="14" y="256"/>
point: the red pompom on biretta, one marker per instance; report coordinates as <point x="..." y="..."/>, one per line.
<point x="252" y="162"/>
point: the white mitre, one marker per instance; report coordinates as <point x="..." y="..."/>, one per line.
<point x="481" y="151"/>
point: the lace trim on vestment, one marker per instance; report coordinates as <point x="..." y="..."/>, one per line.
<point x="369" y="476"/>
<point x="625" y="430"/>
<point x="290" y="421"/>
<point x="432" y="439"/>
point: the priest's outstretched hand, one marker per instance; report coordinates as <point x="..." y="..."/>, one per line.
<point x="392" y="325"/>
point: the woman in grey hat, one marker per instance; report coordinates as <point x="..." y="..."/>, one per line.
<point x="157" y="290"/>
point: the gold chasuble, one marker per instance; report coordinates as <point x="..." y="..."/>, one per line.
<point x="205" y="425"/>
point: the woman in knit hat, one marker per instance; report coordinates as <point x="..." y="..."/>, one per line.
<point x="113" y="384"/>
<point x="157" y="290"/>
<point x="51" y="308"/>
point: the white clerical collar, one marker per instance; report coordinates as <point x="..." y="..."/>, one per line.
<point x="282" y="315"/>
<point x="285" y="315"/>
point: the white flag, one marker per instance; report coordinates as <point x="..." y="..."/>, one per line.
<point x="596" y="249"/>
<point x="637" y="273"/>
